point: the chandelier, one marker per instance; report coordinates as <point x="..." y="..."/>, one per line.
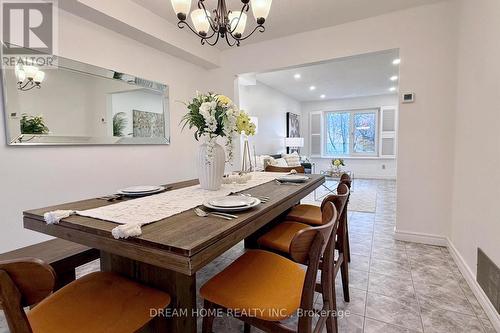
<point x="29" y="77"/>
<point x="225" y="24"/>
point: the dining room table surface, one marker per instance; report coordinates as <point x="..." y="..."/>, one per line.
<point x="169" y="252"/>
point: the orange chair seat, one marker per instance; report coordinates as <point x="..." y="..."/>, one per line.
<point x="98" y="302"/>
<point x="280" y="237"/>
<point x="259" y="284"/>
<point x="304" y="213"/>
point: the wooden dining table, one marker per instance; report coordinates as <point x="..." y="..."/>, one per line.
<point x="169" y="252"/>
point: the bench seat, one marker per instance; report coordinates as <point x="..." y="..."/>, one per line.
<point x="62" y="255"/>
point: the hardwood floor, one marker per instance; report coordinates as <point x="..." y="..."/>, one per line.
<point x="390" y="293"/>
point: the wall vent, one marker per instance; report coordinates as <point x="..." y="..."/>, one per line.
<point x="488" y="277"/>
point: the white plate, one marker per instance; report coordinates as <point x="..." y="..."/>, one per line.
<point x="141" y="189"/>
<point x="232" y="209"/>
<point x="231" y="201"/>
<point x="140" y="194"/>
<point x="293" y="178"/>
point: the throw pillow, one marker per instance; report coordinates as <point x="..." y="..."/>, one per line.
<point x="281" y="162"/>
<point x="292" y="159"/>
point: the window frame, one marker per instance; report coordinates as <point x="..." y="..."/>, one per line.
<point x="352" y="112"/>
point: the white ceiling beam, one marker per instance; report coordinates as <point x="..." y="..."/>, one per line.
<point x="130" y="19"/>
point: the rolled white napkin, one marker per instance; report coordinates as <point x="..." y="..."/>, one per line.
<point x="126" y="231"/>
<point x="55" y="216"/>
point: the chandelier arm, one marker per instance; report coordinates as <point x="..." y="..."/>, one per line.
<point x="229" y="42"/>
<point x="29" y="83"/>
<point x="261" y="29"/>
<point x="210" y="43"/>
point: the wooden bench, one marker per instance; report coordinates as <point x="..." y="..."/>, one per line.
<point x="62" y="255"/>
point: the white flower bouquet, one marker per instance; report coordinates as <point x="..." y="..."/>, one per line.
<point x="216" y="116"/>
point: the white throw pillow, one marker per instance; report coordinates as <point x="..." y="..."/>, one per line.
<point x="281" y="162"/>
<point x="292" y="159"/>
<point x="260" y="162"/>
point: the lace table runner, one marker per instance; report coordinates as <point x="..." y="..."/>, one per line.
<point x="157" y="207"/>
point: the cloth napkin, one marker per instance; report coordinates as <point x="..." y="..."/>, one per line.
<point x="121" y="231"/>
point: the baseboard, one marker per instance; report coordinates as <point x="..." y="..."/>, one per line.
<point x="418" y="237"/>
<point x="470" y="277"/>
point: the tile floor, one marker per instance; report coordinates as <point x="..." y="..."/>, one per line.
<point x="395" y="286"/>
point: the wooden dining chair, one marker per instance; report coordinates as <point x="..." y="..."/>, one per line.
<point x="272" y="168"/>
<point x="264" y="288"/>
<point x="98" y="302"/>
<point x="311" y="214"/>
<point x="280" y="237"/>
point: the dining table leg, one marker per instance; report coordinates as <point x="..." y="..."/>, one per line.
<point x="181" y="316"/>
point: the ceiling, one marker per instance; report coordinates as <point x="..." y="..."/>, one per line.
<point x="364" y="75"/>
<point x="288" y="17"/>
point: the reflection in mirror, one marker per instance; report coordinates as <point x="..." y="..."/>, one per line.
<point x="78" y="104"/>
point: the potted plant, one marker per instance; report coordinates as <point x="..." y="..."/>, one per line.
<point x="213" y="116"/>
<point x="337" y="164"/>
<point x="33" y="125"/>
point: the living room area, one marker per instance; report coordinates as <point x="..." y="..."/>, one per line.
<point x="332" y="117"/>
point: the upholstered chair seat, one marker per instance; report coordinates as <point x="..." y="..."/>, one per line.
<point x="98" y="302"/>
<point x="259" y="283"/>
<point x="305" y="213"/>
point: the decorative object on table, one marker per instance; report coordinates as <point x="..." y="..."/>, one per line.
<point x="214" y="116"/>
<point x="148" y="124"/>
<point x="33" y="125"/>
<point x="119" y="124"/>
<point x="28" y="77"/>
<point x="337" y="164"/>
<point x="292" y="127"/>
<point x="246" y="128"/>
<point x="227" y="24"/>
<point x="237" y="178"/>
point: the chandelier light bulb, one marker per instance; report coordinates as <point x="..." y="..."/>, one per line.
<point x="200" y="21"/>
<point x="30" y="71"/>
<point x="20" y="75"/>
<point x="39" y="77"/>
<point x="260" y="9"/>
<point x="181" y="8"/>
<point x="238" y="23"/>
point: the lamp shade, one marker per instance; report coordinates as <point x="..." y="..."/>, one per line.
<point x="30" y="71"/>
<point x="260" y="8"/>
<point x="181" y="7"/>
<point x="39" y="77"/>
<point x="200" y="21"/>
<point x="237" y="23"/>
<point x="21" y="75"/>
<point x="294" y="142"/>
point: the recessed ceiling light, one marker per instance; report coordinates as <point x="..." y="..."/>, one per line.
<point x="297" y="76"/>
<point x="396" y="61"/>
<point x="312" y="88"/>
<point x="392" y="89"/>
<point x="394" y="78"/>
<point x="323" y="96"/>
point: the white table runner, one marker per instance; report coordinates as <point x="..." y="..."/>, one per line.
<point x="157" y="207"/>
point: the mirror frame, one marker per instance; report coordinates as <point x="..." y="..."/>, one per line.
<point x="92" y="70"/>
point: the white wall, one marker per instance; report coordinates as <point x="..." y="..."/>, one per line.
<point x="426" y="39"/>
<point x="476" y="209"/>
<point x="37" y="177"/>
<point x="270" y="107"/>
<point x="376" y="168"/>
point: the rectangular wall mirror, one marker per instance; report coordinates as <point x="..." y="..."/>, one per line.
<point x="81" y="104"/>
